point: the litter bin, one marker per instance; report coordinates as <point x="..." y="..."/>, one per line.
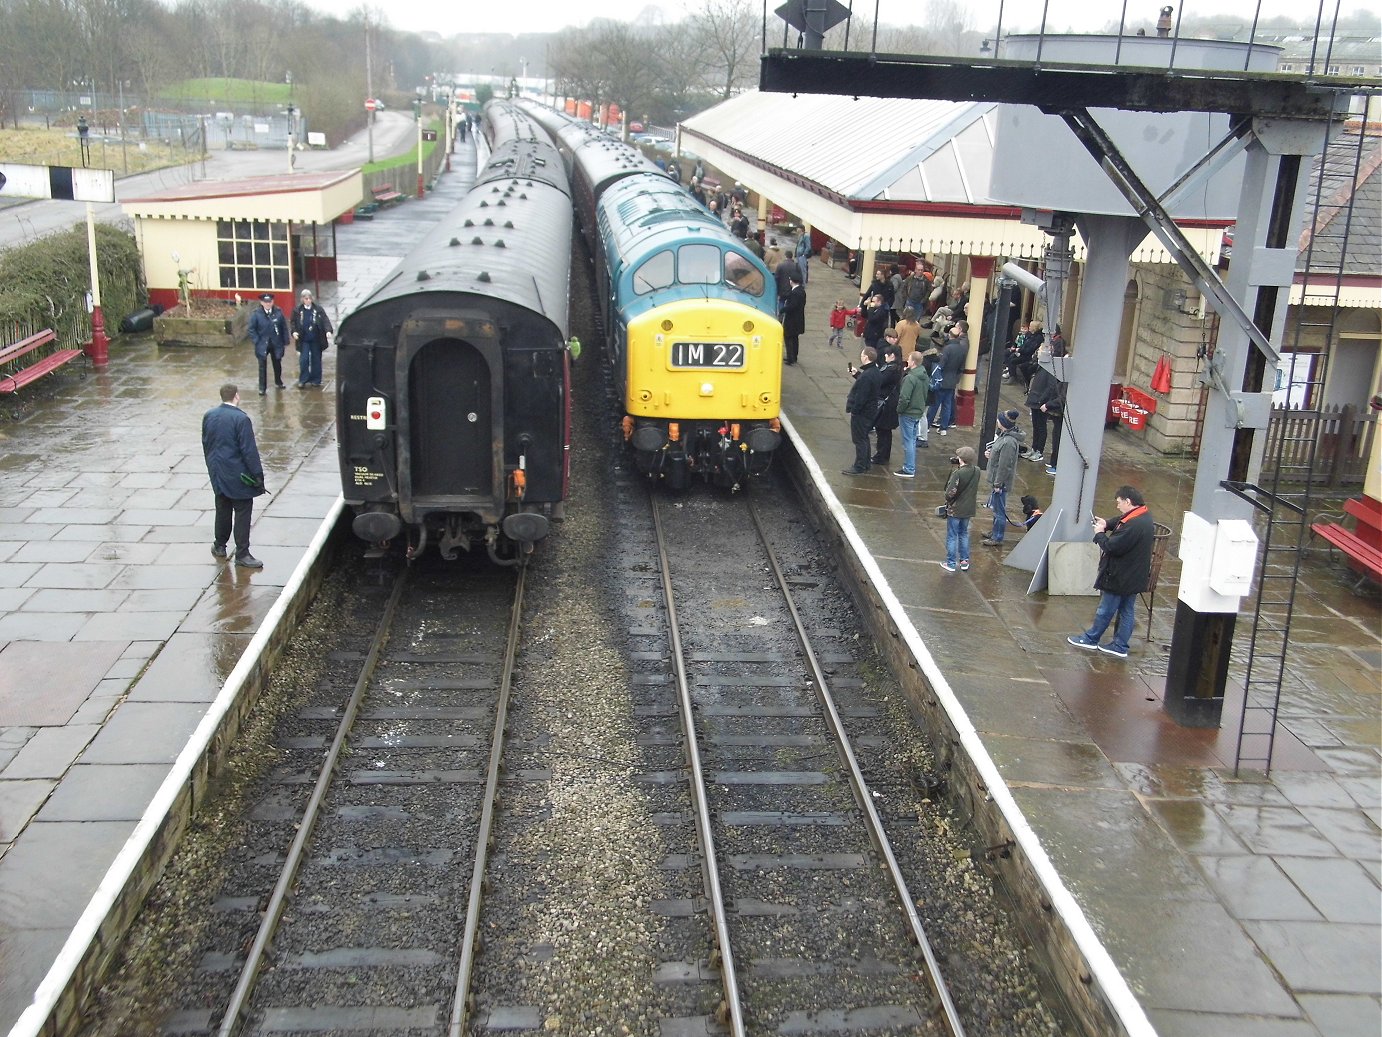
<point x="140" y="320"/>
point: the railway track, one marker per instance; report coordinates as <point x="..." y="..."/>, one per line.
<point x="810" y="921"/>
<point x="369" y="927"/>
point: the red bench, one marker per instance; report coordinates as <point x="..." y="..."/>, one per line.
<point x="32" y="371"/>
<point x="1361" y="547"/>
<point x="384" y="194"/>
<point x="1368" y="512"/>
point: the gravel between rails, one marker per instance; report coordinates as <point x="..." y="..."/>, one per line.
<point x="581" y="913"/>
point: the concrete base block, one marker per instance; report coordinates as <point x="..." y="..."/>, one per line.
<point x="1072" y="567"/>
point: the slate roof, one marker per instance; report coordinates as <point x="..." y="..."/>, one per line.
<point x="1346" y="173"/>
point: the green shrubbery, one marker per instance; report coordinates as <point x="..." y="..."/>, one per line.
<point x="43" y="284"/>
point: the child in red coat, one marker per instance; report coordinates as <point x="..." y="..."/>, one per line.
<point x="838" y="316"/>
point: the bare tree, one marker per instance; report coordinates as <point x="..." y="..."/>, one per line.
<point x="730" y="31"/>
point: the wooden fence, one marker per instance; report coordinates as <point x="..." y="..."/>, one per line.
<point x="1342" y="439"/>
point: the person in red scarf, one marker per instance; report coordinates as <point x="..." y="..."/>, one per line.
<point x="1125" y="564"/>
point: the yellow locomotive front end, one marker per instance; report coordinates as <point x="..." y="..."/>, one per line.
<point x="703" y="390"/>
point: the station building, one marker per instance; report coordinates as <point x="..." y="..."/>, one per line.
<point x="229" y="238"/>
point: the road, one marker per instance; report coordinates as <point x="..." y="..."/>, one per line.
<point x="394" y="134"/>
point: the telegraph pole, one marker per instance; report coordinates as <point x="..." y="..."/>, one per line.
<point x="369" y="89"/>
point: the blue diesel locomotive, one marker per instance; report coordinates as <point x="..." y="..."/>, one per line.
<point x="689" y="316"/>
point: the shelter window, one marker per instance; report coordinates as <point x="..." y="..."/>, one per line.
<point x="699" y="264"/>
<point x="657" y="272"/>
<point x="253" y="255"/>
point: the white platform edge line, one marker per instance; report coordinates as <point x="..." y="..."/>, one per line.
<point x="1125" y="1005"/>
<point x="34" y="1018"/>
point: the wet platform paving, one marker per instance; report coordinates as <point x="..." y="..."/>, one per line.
<point x="118" y="629"/>
<point x="1230" y="907"/>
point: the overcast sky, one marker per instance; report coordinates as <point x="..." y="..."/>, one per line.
<point x="1019" y="15"/>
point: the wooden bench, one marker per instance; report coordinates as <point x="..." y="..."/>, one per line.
<point x="1362" y="551"/>
<point x="1368" y="512"/>
<point x="386" y="195"/>
<point x="35" y="369"/>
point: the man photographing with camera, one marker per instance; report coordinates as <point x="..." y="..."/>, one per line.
<point x="862" y="405"/>
<point x="1125" y="564"/>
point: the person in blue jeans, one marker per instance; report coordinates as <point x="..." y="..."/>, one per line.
<point x="911" y="413"/>
<point x="961" y="498"/>
<point x="311" y="335"/>
<point x="1125" y="565"/>
<point x="1002" y="456"/>
<point x="952" y="365"/>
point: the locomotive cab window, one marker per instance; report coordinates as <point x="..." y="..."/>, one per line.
<point x="743" y="275"/>
<point x="699" y="264"/>
<point x="657" y="272"/>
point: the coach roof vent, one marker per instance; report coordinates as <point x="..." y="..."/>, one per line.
<point x="476" y="240"/>
<point x="454" y="242"/>
<point x="483" y="275"/>
<point x="423" y="275"/>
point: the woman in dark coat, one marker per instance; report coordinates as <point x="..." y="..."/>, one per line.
<point x="793" y="319"/>
<point x="890" y="360"/>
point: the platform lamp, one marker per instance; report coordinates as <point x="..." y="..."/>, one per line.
<point x="292" y="112"/>
<point x="417" y="114"/>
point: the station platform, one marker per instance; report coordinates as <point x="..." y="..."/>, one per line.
<point x="1228" y="907"/>
<point x="125" y="646"/>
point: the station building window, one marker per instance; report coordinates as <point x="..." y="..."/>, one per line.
<point x="253" y="255"/>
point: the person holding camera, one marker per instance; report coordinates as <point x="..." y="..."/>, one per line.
<point x="1125" y="566"/>
<point x="961" y="501"/>
<point x="1002" y="457"/>
<point x="862" y="405"/>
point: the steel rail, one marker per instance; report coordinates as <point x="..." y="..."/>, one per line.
<point x="861" y="792"/>
<point x="733" y="1009"/>
<point x="460" y="1005"/>
<point x="273" y="913"/>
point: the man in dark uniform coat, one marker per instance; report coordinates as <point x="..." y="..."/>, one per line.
<point x="862" y="407"/>
<point x="237" y="474"/>
<point x="793" y="319"/>
<point x="1125" y="567"/>
<point x="269" y="332"/>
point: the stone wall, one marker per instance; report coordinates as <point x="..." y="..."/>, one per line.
<point x="1178" y="336"/>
